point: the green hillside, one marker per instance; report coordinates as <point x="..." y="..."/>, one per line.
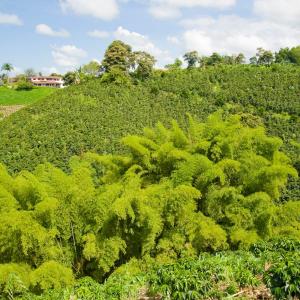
<point x="94" y="116"/>
<point x="181" y="186"/>
<point x="13" y="97"/>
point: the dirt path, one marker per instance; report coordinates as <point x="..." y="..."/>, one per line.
<point x="7" y="110"/>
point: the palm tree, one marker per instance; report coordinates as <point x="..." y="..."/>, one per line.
<point x="7" y="67"/>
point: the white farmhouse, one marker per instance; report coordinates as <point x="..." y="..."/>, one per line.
<point x="47" y="81"/>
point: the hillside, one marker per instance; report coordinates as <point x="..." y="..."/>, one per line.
<point x="13" y="97"/>
<point x="94" y="116"/>
<point x="192" y="192"/>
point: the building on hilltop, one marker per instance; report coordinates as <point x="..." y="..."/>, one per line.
<point x="47" y="81"/>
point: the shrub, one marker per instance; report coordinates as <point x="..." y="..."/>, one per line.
<point x="51" y="275"/>
<point x="24" y="86"/>
<point x="283" y="276"/>
<point x="209" y="277"/>
<point x="14" y="279"/>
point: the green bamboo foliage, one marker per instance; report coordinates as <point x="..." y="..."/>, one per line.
<point x="177" y="193"/>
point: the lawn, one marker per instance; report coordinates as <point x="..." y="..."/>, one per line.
<point x="13" y="97"/>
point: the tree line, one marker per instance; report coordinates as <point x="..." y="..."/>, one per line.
<point x="120" y="63"/>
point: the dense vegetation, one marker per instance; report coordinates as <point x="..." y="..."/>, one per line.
<point x="200" y="200"/>
<point x="14" y="97"/>
<point x="94" y="116"/>
<point x="214" y="186"/>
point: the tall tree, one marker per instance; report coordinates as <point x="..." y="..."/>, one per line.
<point x="143" y="64"/>
<point x="117" y="55"/>
<point x="30" y="72"/>
<point x="216" y="59"/>
<point x="191" y="58"/>
<point x="283" y="56"/>
<point x="288" y="56"/>
<point x="295" y="55"/>
<point x="240" y="59"/>
<point x="7" y="67"/>
<point x="264" y="57"/>
<point x="92" y="68"/>
<point x="70" y="78"/>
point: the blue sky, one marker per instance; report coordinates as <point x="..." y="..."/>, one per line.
<point x="60" y="35"/>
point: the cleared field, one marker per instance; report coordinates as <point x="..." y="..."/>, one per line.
<point x="13" y="97"/>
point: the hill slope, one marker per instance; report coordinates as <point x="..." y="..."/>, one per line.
<point x="94" y="116"/>
<point x="13" y="97"/>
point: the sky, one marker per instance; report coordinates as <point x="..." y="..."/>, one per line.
<point x="60" y="35"/>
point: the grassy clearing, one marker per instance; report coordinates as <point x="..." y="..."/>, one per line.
<point x="13" y="97"/>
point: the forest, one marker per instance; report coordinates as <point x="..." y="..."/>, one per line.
<point x="140" y="183"/>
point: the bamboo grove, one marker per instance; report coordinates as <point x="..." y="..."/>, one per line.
<point x="177" y="193"/>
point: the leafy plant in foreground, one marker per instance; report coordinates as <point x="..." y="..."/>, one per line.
<point x="283" y="276"/>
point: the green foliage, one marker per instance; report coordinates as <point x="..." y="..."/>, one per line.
<point x="143" y="64"/>
<point x="175" y="66"/>
<point x="176" y="194"/>
<point x="79" y="119"/>
<point x="51" y="275"/>
<point x="91" y="69"/>
<point x="283" y="276"/>
<point x="7" y="67"/>
<point x="24" y="86"/>
<point x="191" y="59"/>
<point x="118" y="55"/>
<point x="13" y="97"/>
<point x="286" y="55"/>
<point x="209" y="277"/>
<point x="14" y="279"/>
<point x="263" y="57"/>
<point x="70" y="78"/>
<point x="116" y="76"/>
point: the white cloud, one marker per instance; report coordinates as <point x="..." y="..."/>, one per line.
<point x="141" y="42"/>
<point x="287" y="11"/>
<point x="44" y="29"/>
<point x="166" y="9"/>
<point x="173" y="40"/>
<point x="68" y="55"/>
<point x="10" y="19"/>
<point x="101" y="9"/>
<point x="98" y="34"/>
<point x="233" y="34"/>
<point x="192" y="23"/>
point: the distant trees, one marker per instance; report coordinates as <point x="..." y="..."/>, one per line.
<point x="7" y="68"/>
<point x="71" y="78"/>
<point x="55" y="74"/>
<point x="191" y="58"/>
<point x="295" y="55"/>
<point x="92" y="68"/>
<point x="290" y="56"/>
<point x="120" y="57"/>
<point x="262" y="57"/>
<point x="30" y="72"/>
<point x="176" y="65"/>
<point x="121" y="64"/>
<point x="143" y="64"/>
